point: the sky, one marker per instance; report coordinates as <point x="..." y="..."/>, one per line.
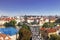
<point x="29" y="7"/>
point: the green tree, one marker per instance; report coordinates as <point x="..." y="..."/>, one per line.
<point x="25" y="26"/>
<point x="11" y="23"/>
<point x="44" y="35"/>
<point x="24" y="34"/>
<point x="54" y="37"/>
<point x="19" y="24"/>
<point x="47" y="25"/>
<point x="57" y="21"/>
<point x="6" y="24"/>
<point x="52" y="25"/>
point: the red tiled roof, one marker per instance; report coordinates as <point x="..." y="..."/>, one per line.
<point x="3" y="36"/>
<point x="7" y="19"/>
<point x="49" y="30"/>
<point x="42" y="29"/>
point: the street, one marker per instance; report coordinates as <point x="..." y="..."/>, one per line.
<point x="35" y="32"/>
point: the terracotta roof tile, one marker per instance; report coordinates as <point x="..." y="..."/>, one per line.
<point x="49" y="30"/>
<point x="4" y="37"/>
<point x="42" y="29"/>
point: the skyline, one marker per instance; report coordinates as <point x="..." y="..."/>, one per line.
<point x="29" y="7"/>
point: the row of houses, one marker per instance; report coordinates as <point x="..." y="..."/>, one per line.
<point x="41" y="20"/>
<point x="51" y="31"/>
<point x="4" y="19"/>
<point x="30" y="19"/>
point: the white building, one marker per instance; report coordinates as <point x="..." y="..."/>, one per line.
<point x="30" y="20"/>
<point x="2" y="22"/>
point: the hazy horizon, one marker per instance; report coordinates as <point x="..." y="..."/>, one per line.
<point x="29" y="7"/>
